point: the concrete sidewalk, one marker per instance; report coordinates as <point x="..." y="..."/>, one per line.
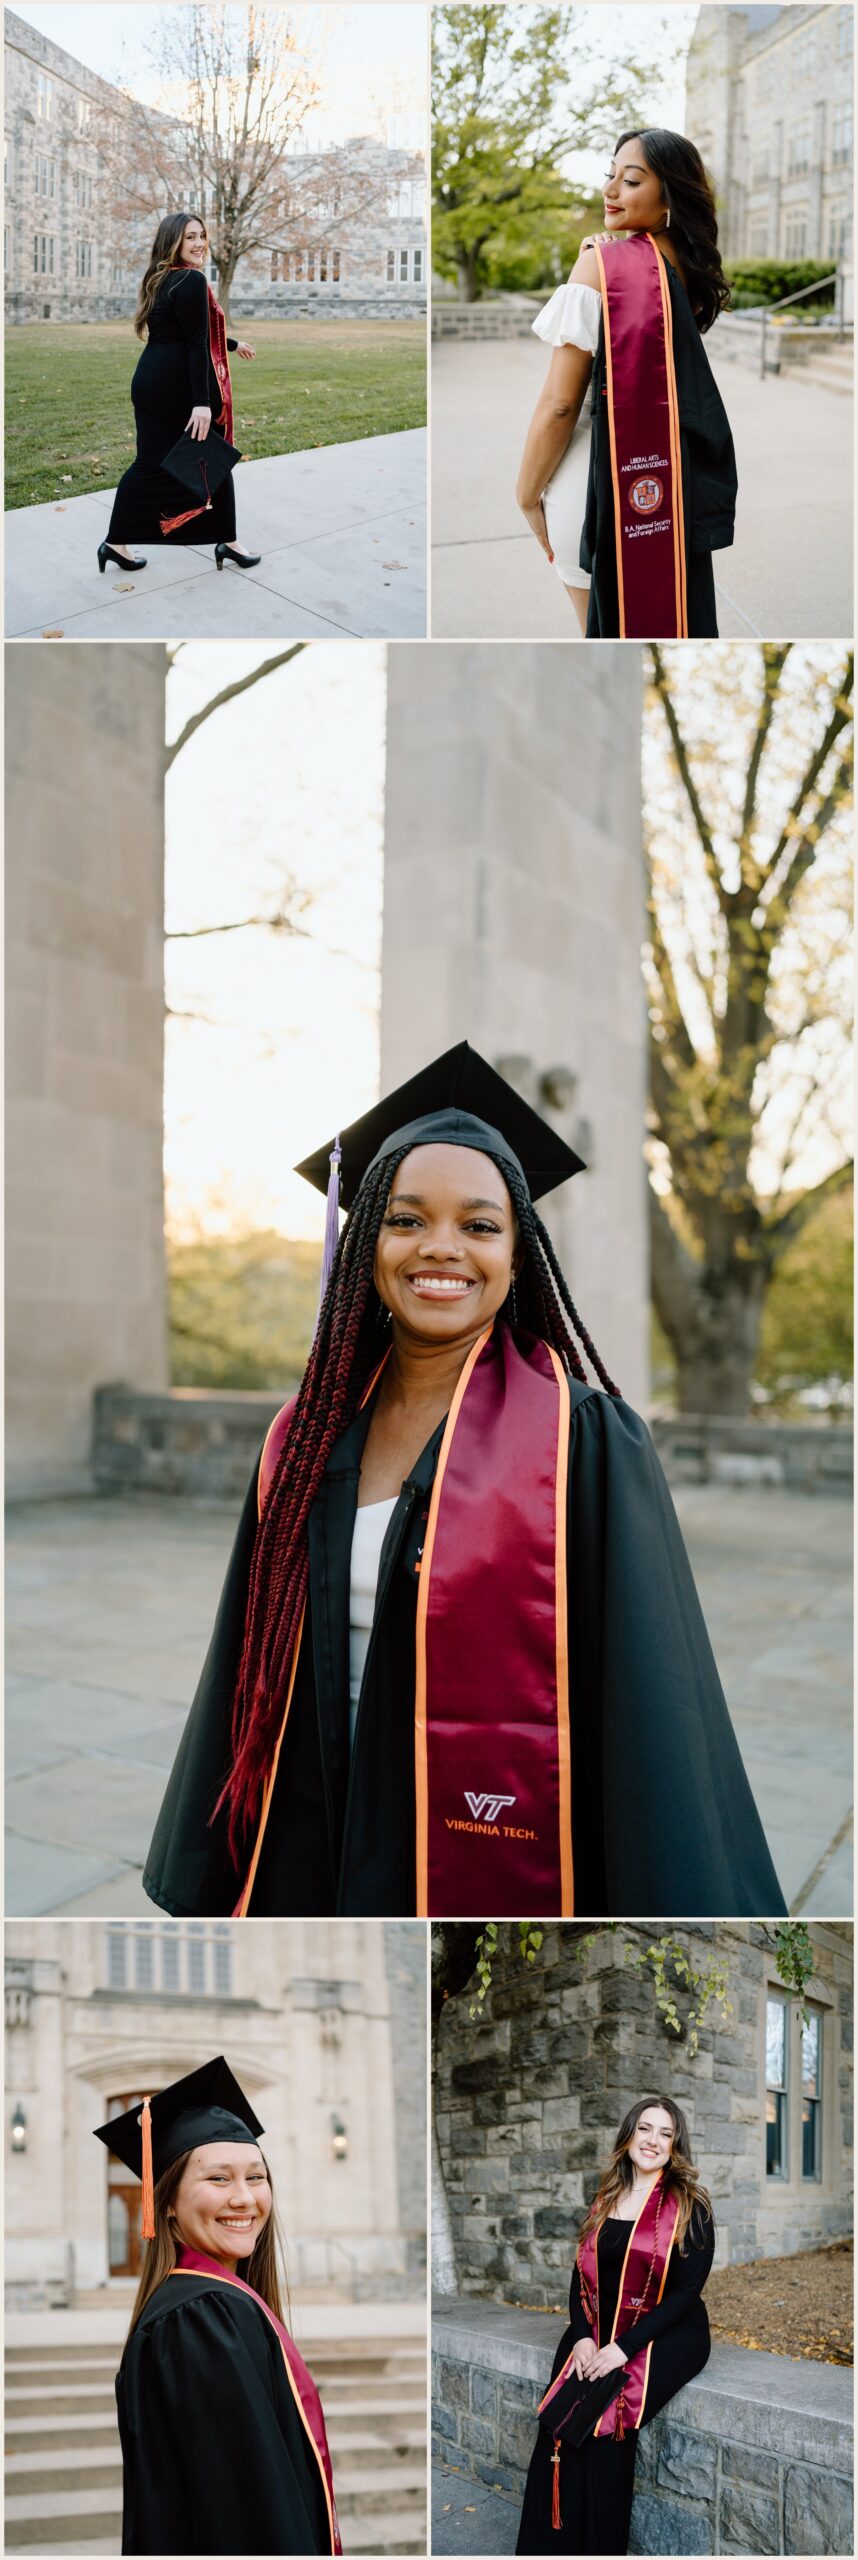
<point x="468" y="2518"/>
<point x="787" y="576"/>
<point x="342" y="532"/>
<point x="110" y="1606"/>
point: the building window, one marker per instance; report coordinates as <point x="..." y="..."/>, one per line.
<point x="196" y="1957"/>
<point x="323" y="266"/>
<point x="844" y="34"/>
<point x="335" y="266"/>
<point x="403" y="266"/>
<point x="144" y="1959"/>
<point x="418" y="266"/>
<point x="311" y="266"/>
<point x="83" y="114"/>
<point x="46" y="175"/>
<point x="117" y="1951"/>
<point x="837" y="233"/>
<point x="169" y="1956"/>
<point x="222" y="1951"/>
<point x="841" y="134"/>
<point x="798" y="149"/>
<point x="44" y="98"/>
<point x="83" y="258"/>
<point x="299" y="266"/>
<point x="811" y="2095"/>
<point x="391" y="266"/>
<point x="803" y="58"/>
<point x="44" y="251"/>
<point x="776" y="2088"/>
<point x="795" y="236"/>
<point x="83" y="190"/>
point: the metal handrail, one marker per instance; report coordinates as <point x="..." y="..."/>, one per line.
<point x="762" y="311"/>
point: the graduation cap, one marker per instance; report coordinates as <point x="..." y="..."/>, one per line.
<point x="206" y="2106"/>
<point x="457" y="1101"/>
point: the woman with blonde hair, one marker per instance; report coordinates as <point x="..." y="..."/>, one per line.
<point x="223" y="2437"/>
<point x="179" y="489"/>
<point x="637" y="2332"/>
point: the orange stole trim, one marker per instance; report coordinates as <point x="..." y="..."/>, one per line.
<point x="564" y="1735"/>
<point x="615" y="477"/>
<point x="241" y="1908"/>
<point x="421" y="1768"/>
<point x="237" y="2288"/>
<point x="679" y="561"/>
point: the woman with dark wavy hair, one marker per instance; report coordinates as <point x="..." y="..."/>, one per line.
<point x="629" y="500"/>
<point x="637" y="2333"/>
<point x="459" y="1660"/>
<point x="223" y="2438"/>
<point x="181" y="387"/>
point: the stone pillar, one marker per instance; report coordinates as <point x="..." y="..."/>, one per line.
<point x="85" y="1013"/>
<point x="514" y="916"/>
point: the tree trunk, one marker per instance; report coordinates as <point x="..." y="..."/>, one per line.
<point x="443" y="2261"/>
<point x="711" y="1313"/>
<point x="468" y="262"/>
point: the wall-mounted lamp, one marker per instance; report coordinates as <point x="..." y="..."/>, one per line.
<point x="339" y="2139"/>
<point x="19" y="2128"/>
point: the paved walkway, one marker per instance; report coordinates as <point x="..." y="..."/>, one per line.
<point x="788" y="575"/>
<point x="468" y="2518"/>
<point x="342" y="532"/>
<point x="110" y="1606"/>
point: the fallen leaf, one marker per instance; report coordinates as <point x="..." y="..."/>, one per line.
<point x="66" y="475"/>
<point x="53" y="635"/>
<point x="394" y="564"/>
<point x="126" y="590"/>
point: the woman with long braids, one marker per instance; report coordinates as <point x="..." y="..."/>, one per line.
<point x="223" y="2438"/>
<point x="630" y="499"/>
<point x="459" y="1663"/>
<point x="637" y="2332"/>
<point x="180" y="392"/>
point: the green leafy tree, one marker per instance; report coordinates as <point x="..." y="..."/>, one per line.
<point x="747" y="792"/>
<point x="514" y="91"/>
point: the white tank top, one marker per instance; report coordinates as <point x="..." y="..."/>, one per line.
<point x="371" y="1525"/>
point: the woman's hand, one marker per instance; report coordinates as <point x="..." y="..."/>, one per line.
<point x="242" y="349"/>
<point x="198" y="424"/>
<point x="605" y="2361"/>
<point x="582" y="2358"/>
<point x="535" y="517"/>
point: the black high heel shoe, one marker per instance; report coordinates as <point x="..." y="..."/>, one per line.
<point x="240" y="559"/>
<point x="106" y="552"/>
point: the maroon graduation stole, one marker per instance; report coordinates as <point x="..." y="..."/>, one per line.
<point x="643" y="430"/>
<point x="642" y="2283"/>
<point x="492" y="1745"/>
<point x="302" y="2386"/>
<point x="220" y="359"/>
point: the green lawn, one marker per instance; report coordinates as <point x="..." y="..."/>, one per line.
<point x="69" y="423"/>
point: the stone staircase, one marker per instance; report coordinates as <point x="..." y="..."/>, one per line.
<point x="63" y="2467"/>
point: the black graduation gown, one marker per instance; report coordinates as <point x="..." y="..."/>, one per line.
<point x="175" y="375"/>
<point x="215" y="2454"/>
<point x="664" y="1823"/>
<point x="597" y="2477"/>
<point x="709" y="480"/>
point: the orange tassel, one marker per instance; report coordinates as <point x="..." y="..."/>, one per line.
<point x="148" y="2223"/>
<point x="556" y="2517"/>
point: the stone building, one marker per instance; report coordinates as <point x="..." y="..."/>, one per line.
<point x="68" y="257"/>
<point x="85" y="1275"/>
<point x="324" y="2026"/>
<point x="529" y="2099"/>
<point x="514" y="917"/>
<point x="769" y="105"/>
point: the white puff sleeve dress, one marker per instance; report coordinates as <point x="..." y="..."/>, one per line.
<point x="570" y="319"/>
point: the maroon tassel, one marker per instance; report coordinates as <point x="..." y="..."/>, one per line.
<point x="619" y="2421"/>
<point x="556" y="2517"/>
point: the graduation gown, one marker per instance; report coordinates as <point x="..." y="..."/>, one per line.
<point x="709" y="480"/>
<point x="597" y="2477"/>
<point x="215" y="2455"/>
<point x="664" y="1823"/>
<point x="175" y="374"/>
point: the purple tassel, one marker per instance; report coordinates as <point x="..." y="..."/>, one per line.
<point x="332" y="1221"/>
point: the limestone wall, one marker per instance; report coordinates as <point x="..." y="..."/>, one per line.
<point x="529" y="2099"/>
<point x="513" y="917"/>
<point x="755" y="2455"/>
<point x="84" y="1014"/>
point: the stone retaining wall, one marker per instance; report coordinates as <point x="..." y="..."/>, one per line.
<point x="193" y="1441"/>
<point x="755" y="2455"/>
<point x="512" y="317"/>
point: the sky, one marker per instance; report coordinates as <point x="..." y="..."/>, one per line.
<point x="658" y="36"/>
<point x="373" y="53"/>
<point x="272" y="1039"/>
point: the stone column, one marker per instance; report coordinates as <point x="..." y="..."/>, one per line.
<point x="85" y="1011"/>
<point x="513" y="917"/>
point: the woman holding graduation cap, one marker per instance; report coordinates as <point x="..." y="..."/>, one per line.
<point x="223" y="2437"/>
<point x="179" y="489"/>
<point x="459" y="1664"/>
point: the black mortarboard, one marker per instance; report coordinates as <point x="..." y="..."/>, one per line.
<point x="461" y="1101"/>
<point x="206" y="2106"/>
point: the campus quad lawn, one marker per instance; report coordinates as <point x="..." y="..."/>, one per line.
<point x="69" y="424"/>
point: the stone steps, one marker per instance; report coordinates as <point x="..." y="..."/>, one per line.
<point x="399" y="2541"/>
<point x="346" y="2427"/>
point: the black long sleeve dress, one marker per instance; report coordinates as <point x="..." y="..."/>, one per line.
<point x="215" y="2454"/>
<point x="597" y="2478"/>
<point x="663" y="1817"/>
<point x="175" y="375"/>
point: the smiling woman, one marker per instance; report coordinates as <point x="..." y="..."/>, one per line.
<point x="459" y="1650"/>
<point x="176" y="491"/>
<point x="223" y="2438"/>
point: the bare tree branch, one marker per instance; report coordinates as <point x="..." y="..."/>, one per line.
<point x="229" y="693"/>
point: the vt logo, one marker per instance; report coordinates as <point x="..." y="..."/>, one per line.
<point x="486" y="1808"/>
